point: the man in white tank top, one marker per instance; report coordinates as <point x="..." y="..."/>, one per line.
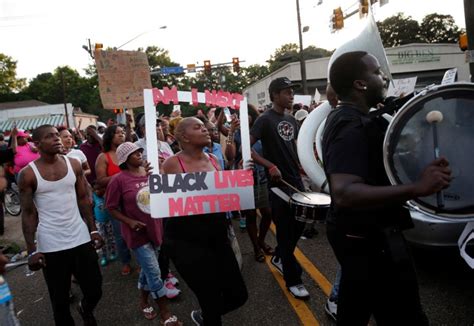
<point x="56" y="209"/>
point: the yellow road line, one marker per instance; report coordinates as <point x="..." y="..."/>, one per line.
<point x="301" y="308"/>
<point x="308" y="266"/>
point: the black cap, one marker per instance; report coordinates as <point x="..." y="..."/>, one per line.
<point x="281" y="83"/>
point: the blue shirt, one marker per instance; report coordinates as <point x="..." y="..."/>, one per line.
<point x="217" y="151"/>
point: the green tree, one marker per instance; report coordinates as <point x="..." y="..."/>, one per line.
<point x="436" y="28"/>
<point x="398" y="30"/>
<point x="290" y="53"/>
<point x="254" y="73"/>
<point x="9" y="83"/>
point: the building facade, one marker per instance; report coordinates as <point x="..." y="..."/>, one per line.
<point x="427" y="62"/>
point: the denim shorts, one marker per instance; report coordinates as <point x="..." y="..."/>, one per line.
<point x="150" y="276"/>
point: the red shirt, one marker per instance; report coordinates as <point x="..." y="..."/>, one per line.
<point x="130" y="194"/>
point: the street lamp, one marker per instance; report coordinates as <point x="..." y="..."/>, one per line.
<point x="133" y="39"/>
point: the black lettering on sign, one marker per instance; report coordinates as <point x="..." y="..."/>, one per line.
<point x="160" y="183"/>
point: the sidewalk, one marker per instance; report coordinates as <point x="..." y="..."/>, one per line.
<point x="13" y="232"/>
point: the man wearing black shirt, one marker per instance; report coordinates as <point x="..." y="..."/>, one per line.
<point x="366" y="216"/>
<point x="278" y="132"/>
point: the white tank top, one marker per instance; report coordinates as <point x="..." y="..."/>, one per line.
<point x="60" y="224"/>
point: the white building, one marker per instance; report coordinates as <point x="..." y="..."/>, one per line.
<point x="28" y="115"/>
<point x="427" y="62"/>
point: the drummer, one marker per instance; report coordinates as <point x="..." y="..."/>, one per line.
<point x="367" y="214"/>
<point x="278" y="132"/>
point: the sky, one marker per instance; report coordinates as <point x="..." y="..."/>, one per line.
<point x="42" y="35"/>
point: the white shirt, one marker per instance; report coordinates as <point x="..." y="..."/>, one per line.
<point x="60" y="225"/>
<point x="78" y="155"/>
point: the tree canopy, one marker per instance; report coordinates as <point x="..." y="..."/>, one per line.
<point x="435" y="28"/>
<point x="9" y="83"/>
<point x="290" y="52"/>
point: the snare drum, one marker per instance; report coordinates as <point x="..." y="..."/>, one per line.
<point x="309" y="207"/>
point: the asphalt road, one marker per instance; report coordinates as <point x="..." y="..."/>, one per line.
<point x="446" y="286"/>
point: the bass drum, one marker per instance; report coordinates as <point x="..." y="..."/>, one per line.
<point x="409" y="148"/>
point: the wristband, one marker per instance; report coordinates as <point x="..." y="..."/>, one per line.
<point x="32" y="254"/>
<point x="94" y="232"/>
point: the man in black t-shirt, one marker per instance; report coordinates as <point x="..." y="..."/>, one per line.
<point x="278" y="132"/>
<point x="366" y="216"/>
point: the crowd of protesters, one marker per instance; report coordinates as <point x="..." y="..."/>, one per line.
<point x="104" y="176"/>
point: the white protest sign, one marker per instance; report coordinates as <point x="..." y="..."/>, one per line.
<point x="317" y="96"/>
<point x="199" y="192"/>
<point x="449" y="76"/>
<point x="402" y="86"/>
<point x="302" y="99"/>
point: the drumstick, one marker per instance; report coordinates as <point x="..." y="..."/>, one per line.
<point x="295" y="189"/>
<point x="433" y="118"/>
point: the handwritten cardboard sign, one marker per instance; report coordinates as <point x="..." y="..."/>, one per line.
<point x="122" y="77"/>
<point x="199" y="192"/>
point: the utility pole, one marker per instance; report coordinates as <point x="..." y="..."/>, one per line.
<point x="64" y="97"/>
<point x="469" y="17"/>
<point x="302" y="61"/>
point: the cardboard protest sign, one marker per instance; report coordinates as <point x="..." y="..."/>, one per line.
<point x="199" y="192"/>
<point x="122" y="77"/>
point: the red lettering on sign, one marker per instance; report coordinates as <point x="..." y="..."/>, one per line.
<point x="194" y="96"/>
<point x="195" y="204"/>
<point x="211" y="97"/>
<point x="233" y="178"/>
<point x="176" y="206"/>
<point x="237" y="98"/>
<point x="166" y="95"/>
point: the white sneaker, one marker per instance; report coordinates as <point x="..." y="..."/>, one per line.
<point x="171" y="291"/>
<point x="331" y="309"/>
<point x="299" y="292"/>
<point x="276" y="261"/>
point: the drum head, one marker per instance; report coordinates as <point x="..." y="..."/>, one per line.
<point x="408" y="146"/>
<point x="311" y="199"/>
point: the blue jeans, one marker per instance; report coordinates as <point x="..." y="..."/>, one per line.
<point x="335" y="288"/>
<point x="150" y="276"/>
<point x="121" y="246"/>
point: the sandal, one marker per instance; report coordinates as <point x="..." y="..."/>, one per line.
<point x="172" y="319"/>
<point x="267" y="249"/>
<point x="149" y="313"/>
<point x="260" y="256"/>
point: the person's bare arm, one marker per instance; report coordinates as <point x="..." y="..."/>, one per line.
<point x="14" y="143"/>
<point x="29" y="215"/>
<point x="220" y="123"/>
<point x="351" y="191"/>
<point x="83" y="201"/>
<point x="101" y="171"/>
<point x="86" y="168"/>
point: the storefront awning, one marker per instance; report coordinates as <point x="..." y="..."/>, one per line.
<point x="32" y="123"/>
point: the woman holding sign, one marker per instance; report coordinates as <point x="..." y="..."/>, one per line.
<point x="198" y="244"/>
<point x="128" y="200"/>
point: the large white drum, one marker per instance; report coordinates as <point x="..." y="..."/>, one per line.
<point x="408" y="147"/>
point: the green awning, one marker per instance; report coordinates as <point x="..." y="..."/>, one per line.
<point x="31" y="123"/>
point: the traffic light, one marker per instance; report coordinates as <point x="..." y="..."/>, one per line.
<point x="363" y="7"/>
<point x="463" y="41"/>
<point x="337" y="19"/>
<point x="235" y="64"/>
<point x="207" y="67"/>
<point x="118" y="111"/>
